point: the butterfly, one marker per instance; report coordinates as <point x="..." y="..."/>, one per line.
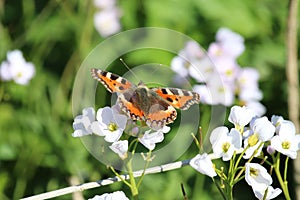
<point x="155" y="106"/>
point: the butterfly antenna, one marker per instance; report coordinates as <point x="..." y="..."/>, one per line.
<point x="129" y="69"/>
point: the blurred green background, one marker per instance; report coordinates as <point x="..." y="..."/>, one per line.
<point x="37" y="151"/>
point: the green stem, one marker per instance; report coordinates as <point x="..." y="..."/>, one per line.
<point x="220" y="189"/>
<point x="118" y="175"/>
<point x="133" y="186"/>
<point x="250" y="159"/>
<point x="145" y="167"/>
<point x="285" y="169"/>
<point x="282" y="183"/>
<point x="229" y="192"/>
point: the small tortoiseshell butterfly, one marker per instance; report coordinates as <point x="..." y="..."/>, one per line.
<point x="155" y="106"/>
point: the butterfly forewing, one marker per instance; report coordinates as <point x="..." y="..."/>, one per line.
<point x="112" y="82"/>
<point x="178" y="98"/>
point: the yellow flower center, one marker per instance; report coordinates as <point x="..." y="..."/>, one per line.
<point x="221" y="90"/>
<point x="226" y="147"/>
<point x="286" y="145"/>
<point x="252" y="140"/>
<point x="19" y="74"/>
<point x="229" y="72"/>
<point x="253" y="172"/>
<point x="112" y="127"/>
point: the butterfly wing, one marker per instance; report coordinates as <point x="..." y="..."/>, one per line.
<point x="178" y="98"/>
<point x="112" y="82"/>
<point x="159" y="113"/>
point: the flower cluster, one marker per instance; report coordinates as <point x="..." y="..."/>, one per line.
<point x="107" y="18"/>
<point x="247" y="142"/>
<point x="16" y="68"/>
<point x="220" y="78"/>
<point x="110" y="123"/>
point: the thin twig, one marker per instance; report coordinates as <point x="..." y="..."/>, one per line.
<point x="86" y="186"/>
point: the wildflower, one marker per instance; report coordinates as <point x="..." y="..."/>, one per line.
<point x="271" y="192"/>
<point x="118" y="195"/>
<point x="104" y="4"/>
<point x="225" y="143"/>
<point x="82" y="123"/>
<point x="109" y="124"/>
<point x="276" y="120"/>
<point x="260" y="181"/>
<point x="203" y="164"/>
<point x="201" y="70"/>
<point x="232" y="43"/>
<point x="107" y="22"/>
<point x="257" y="176"/>
<point x="257" y="107"/>
<point x="180" y="66"/>
<point x="216" y="92"/>
<point x="16" y="68"/>
<point x="263" y="128"/>
<point x="286" y="142"/>
<point x="253" y="144"/>
<point x="240" y="117"/>
<point x="120" y="147"/>
<point x="150" y="139"/>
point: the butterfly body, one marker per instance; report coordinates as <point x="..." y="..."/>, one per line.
<point x="155" y="106"/>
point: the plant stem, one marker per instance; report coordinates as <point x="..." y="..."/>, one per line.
<point x="134" y="190"/>
<point x="283" y="184"/>
<point x="145" y="167"/>
<point x="119" y="176"/>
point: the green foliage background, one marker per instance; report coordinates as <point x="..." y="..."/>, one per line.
<point x="37" y="151"/>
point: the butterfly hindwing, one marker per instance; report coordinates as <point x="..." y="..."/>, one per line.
<point x="178" y="98"/>
<point x="112" y="82"/>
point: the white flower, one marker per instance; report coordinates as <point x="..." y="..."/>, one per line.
<point x="16" y="68"/>
<point x="276" y="120"/>
<point x="150" y="139"/>
<point x="110" y="124"/>
<point x="271" y="194"/>
<point x="240" y="116"/>
<point x="104" y="4"/>
<point x="118" y="195"/>
<point x="224" y="143"/>
<point x="121" y="148"/>
<point x="216" y="92"/>
<point x="263" y="128"/>
<point x="5" y="72"/>
<point x="232" y="43"/>
<point x="205" y="94"/>
<point x="253" y="143"/>
<point x="201" y="70"/>
<point x="180" y="66"/>
<point x="192" y="51"/>
<point x="202" y="163"/>
<point x="286" y="142"/>
<point x="250" y="94"/>
<point x="257" y="107"/>
<point x="260" y="181"/>
<point x="188" y="57"/>
<point x="286" y="126"/>
<point x="107" y="22"/>
<point x="82" y="123"/>
<point x="257" y="176"/>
